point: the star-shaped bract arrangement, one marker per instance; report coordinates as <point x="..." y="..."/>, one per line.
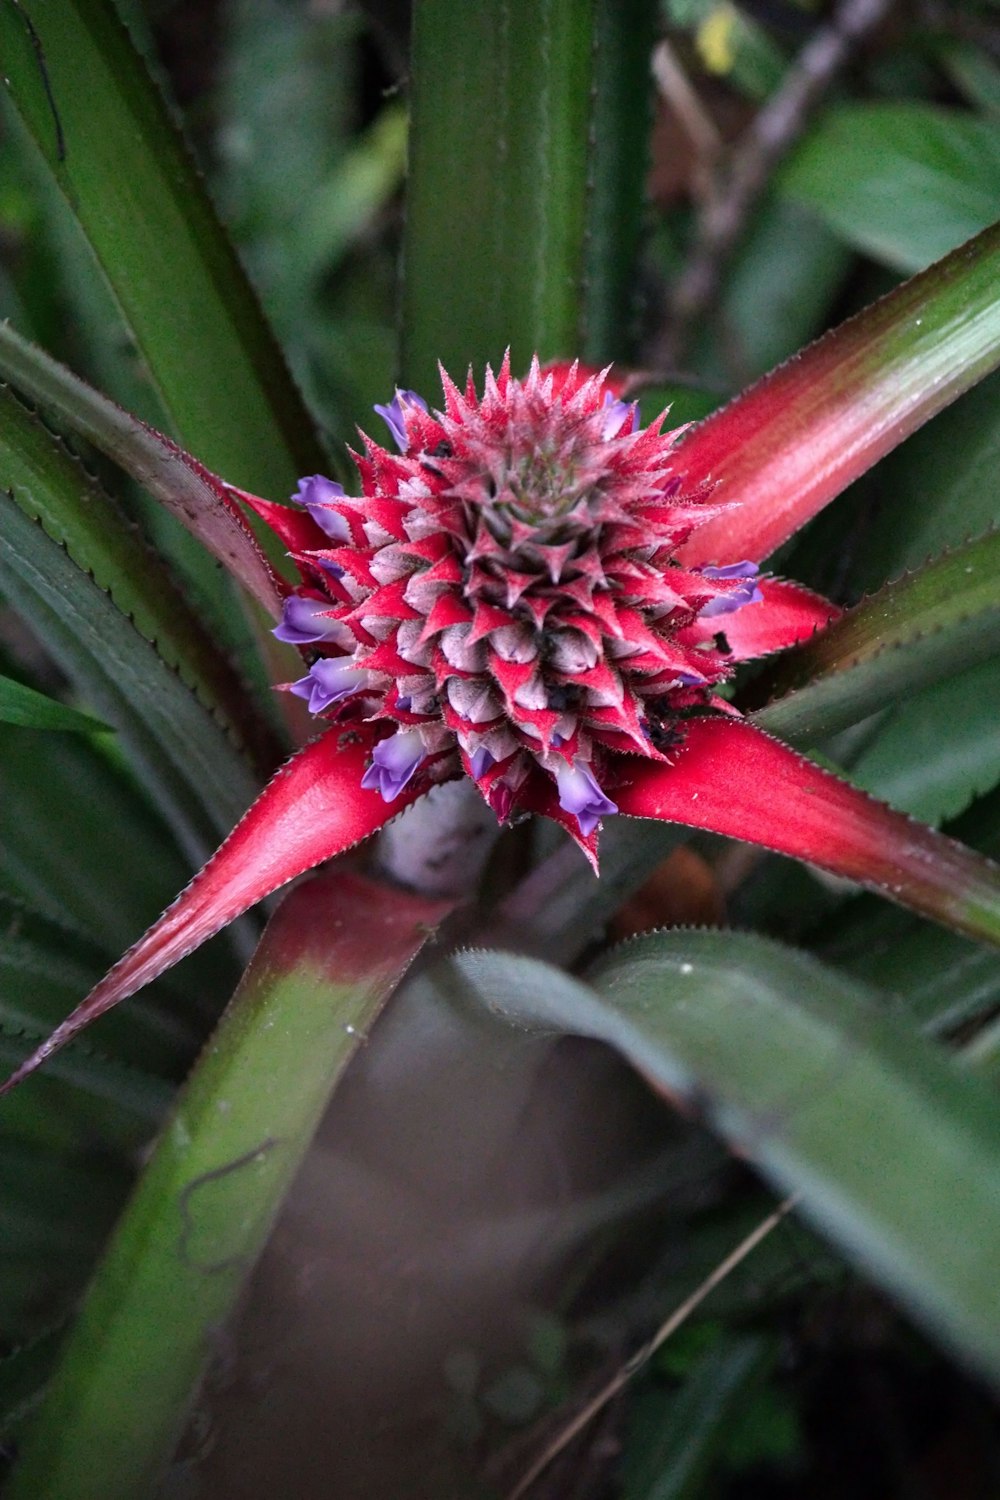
<point x="518" y="595"/>
<point x="503" y="597"/>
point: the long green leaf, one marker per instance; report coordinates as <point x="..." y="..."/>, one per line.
<point x="930" y="625"/>
<point x="54" y="490"/>
<point x="23" y="705"/>
<point x="904" y="183"/>
<point x="45" y="967"/>
<point x="110" y="144"/>
<point x="934" y="492"/>
<point x="206" y="1202"/>
<point x="172" y="476"/>
<point x="526" y="149"/>
<point x="103" y="818"/>
<point x="936" y="750"/>
<point x="941" y="980"/>
<point x="888" y="1143"/>
<point x="200" y="784"/>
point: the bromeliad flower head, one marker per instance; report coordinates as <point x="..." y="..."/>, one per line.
<point x="505" y="597"/>
<point x="534" y="592"/>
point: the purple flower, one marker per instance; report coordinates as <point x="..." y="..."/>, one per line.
<point x="318" y="494"/>
<point x="394" y="416"/>
<point x="302" y="621"/>
<point x="481" y="762"/>
<point x="393" y="763"/>
<point x="747" y="593"/>
<point x="327" y="681"/>
<point x="580" y="795"/>
<point x="616" y="415"/>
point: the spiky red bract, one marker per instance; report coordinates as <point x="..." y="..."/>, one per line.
<point x="314" y="808"/>
<point x="731" y="778"/>
<point x="505" y="591"/>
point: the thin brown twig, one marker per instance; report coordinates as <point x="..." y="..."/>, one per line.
<point x="739" y="186"/>
<point x="677" y="1317"/>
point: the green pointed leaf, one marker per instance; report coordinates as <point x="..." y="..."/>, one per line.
<point x="23" y="1373"/>
<point x="888" y="1143"/>
<point x="936" y="750"/>
<point x="45" y="967"/>
<point x="683" y="1434"/>
<point x="114" y="1410"/>
<point x="932" y="624"/>
<point x="905" y="183"/>
<point x="129" y="1090"/>
<point x="102" y="814"/>
<point x="975" y="73"/>
<point x="934" y="492"/>
<point x="527" y="138"/>
<point x="195" y="777"/>
<point x="52" y="488"/>
<point x="143" y="206"/>
<point x="941" y="980"/>
<point x="23" y="705"/>
<point x="172" y="476"/>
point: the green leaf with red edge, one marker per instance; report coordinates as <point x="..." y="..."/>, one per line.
<point x="202" y="502"/>
<point x="931" y="624"/>
<point x="315" y="807"/>
<point x="792" y="442"/>
<point x="51" y="487"/>
<point x="190" y="1237"/>
<point x="731" y="778"/>
<point x="802" y="1070"/>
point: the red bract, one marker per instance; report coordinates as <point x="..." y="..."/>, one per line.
<point x="503" y="597"/>
<point x="504" y="601"/>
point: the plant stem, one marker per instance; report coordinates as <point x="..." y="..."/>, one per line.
<point x="205" y="1204"/>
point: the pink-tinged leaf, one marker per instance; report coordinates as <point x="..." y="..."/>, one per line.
<point x="787" y="615"/>
<point x="201" y="501"/>
<point x="733" y="779"/>
<point x="786" y="447"/>
<point x="314" y="808"/>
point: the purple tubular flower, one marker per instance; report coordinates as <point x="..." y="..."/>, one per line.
<point x="580" y="795"/>
<point x="621" y="417"/>
<point x="327" y="681"/>
<point x="481" y="762"/>
<point x="317" y="494"/>
<point x="747" y="593"/>
<point x="393" y="763"/>
<point x="394" y="417"/>
<point x="302" y="621"/>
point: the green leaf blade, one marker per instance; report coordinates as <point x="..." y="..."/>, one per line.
<point x="937" y="622"/>
<point x="33" y="710"/>
<point x="142" y="204"/>
<point x="329" y="959"/>
<point x="889" y="1145"/>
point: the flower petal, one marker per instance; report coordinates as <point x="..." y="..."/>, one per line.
<point x="731" y="778"/>
<point x="314" y="808"/>
<point x="580" y="795"/>
<point x="786" y="614"/>
<point x="394" y="415"/>
<point x="394" y="763"/>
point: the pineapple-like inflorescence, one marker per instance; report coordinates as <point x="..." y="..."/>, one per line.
<point x="504" y="594"/>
